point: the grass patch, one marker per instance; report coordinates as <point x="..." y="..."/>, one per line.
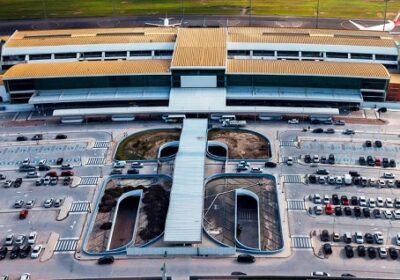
<point x="24" y="9"/>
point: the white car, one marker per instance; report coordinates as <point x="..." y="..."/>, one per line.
<point x="48" y="203"/>
<point x="36" y="251"/>
<point x="256" y="170"/>
<point x="327" y="199"/>
<point x="371" y="203"/>
<point x="289" y="161"/>
<point x="320" y="273"/>
<point x="20" y="240"/>
<point x="389" y="203"/>
<point x="46" y="180"/>
<point x="373" y="182"/>
<point x="293" y="121"/>
<point x="339" y="180"/>
<point x="388" y="214"/>
<point x="382" y="183"/>
<point x="388" y="175"/>
<point x="383" y="252"/>
<point x="29" y="204"/>
<point x="9" y="239"/>
<point x="316" y="158"/>
<point x="25" y="276"/>
<point x="378" y="237"/>
<point x="390" y="183"/>
<point x="32" y="237"/>
<point x="119" y="164"/>
<point x="398" y="239"/>
<point x="396" y="214"/>
<point x="26" y="161"/>
<point x="359" y="237"/>
<point x="317" y="198"/>
<point x="363" y="201"/>
<point x="379" y="202"/>
<point x="32" y="174"/>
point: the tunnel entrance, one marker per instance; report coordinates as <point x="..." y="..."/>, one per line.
<point x="247" y="221"/>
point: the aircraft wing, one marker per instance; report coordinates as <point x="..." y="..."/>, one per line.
<point x="359" y="26"/>
<point x="154" y="24"/>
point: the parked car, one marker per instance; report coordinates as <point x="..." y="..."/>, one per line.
<point x="366" y="212"/>
<point x="358" y="237"/>
<point x="59" y="161"/>
<point x="66" y="166"/>
<point x="361" y="160"/>
<point x="307" y="159"/>
<point x="371" y="252"/>
<point x="330" y="131"/>
<point x="21" y="138"/>
<point x="369" y="238"/>
<point x="27" y="168"/>
<point x="327" y="249"/>
<point x="325" y="237"/>
<point x="378" y="144"/>
<point x="52" y="173"/>
<point x="339" y="122"/>
<point x="388" y="175"/>
<point x="246" y="258"/>
<point x="32" y="237"/>
<point x="48" y="203"/>
<point x="335" y="199"/>
<point x="18" y="203"/>
<point x="20" y="240"/>
<point x="376" y="213"/>
<point x="368" y="143"/>
<point x="58" y="202"/>
<point x="44" y="168"/>
<point x="336" y="237"/>
<point x="256" y="170"/>
<point x="36" y="251"/>
<point x="347" y="238"/>
<point x="382" y="252"/>
<point x="61" y="136"/>
<point x="318" y="210"/>
<point x="357" y="211"/>
<point x="392" y="163"/>
<point x="317" y="130"/>
<point x="37" y="137"/>
<point x="293" y="121"/>
<point x="388" y="214"/>
<point x="349" y="251"/>
<point x="378" y="237"/>
<point x="317" y="198"/>
<point x="270" y="164"/>
<point x="32" y="174"/>
<point x="349" y="132"/>
<point x="25" y="251"/>
<point x="320" y="274"/>
<point x="361" y="251"/>
<point x="322" y="171"/>
<point x="3" y="252"/>
<point x="329" y="209"/>
<point x="347" y="211"/>
<point x="289" y="161"/>
<point x="25" y="276"/>
<point x="396" y="214"/>
<point x="389" y="203"/>
<point x="338" y="211"/>
<point x="9" y="239"/>
<point x="116" y="172"/>
<point x="393" y="253"/>
<point x="15" y="252"/>
<point x="67" y="173"/>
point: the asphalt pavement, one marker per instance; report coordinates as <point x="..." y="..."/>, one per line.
<point x="9" y="26"/>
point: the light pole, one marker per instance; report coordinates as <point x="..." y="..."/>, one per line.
<point x="317" y="19"/>
<point x="384" y="17"/>
<point x="251" y="8"/>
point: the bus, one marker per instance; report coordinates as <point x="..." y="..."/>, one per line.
<point x="76" y="119"/>
<point x="122" y="118"/>
<point x="174" y="118"/>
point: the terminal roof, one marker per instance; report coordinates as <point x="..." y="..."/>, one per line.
<point x="200" y="47"/>
<point x="88" y="68"/>
<point x="306" y="68"/>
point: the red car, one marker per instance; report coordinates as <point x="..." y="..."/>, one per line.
<point x="378" y="162"/>
<point x="329" y="209"/>
<point x="51" y="173"/>
<point x="67" y="173"/>
<point x="23" y="214"/>
<point x="345" y="200"/>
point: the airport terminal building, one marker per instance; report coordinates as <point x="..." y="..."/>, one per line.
<point x="197" y="70"/>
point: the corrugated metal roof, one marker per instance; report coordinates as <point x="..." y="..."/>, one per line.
<point x="91" y="36"/>
<point x="88" y="68"/>
<point x="185" y="212"/>
<point x="311" y="68"/>
<point x="200" y="47"/>
<point x="309" y="36"/>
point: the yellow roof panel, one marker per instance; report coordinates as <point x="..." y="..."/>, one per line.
<point x="200" y="47"/>
<point x="312" y="68"/>
<point x="1" y="80"/>
<point x="91" y="36"/>
<point x="87" y="68"/>
<point x="309" y="36"/>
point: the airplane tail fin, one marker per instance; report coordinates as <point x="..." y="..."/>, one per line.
<point x="397" y="20"/>
<point x="359" y="26"/>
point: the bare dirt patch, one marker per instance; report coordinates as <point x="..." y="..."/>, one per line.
<point x="219" y="210"/>
<point x="144" y="145"/>
<point x="151" y="215"/>
<point x="242" y="144"/>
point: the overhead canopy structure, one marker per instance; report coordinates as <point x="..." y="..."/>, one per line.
<point x="184" y="218"/>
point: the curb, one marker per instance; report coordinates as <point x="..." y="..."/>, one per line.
<point x="64" y="212"/>
<point x="50" y="247"/>
<point x="75" y="182"/>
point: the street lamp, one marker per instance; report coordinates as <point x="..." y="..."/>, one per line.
<point x="384" y="18"/>
<point x="317" y="19"/>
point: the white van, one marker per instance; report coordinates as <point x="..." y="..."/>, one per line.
<point x="119" y="164"/>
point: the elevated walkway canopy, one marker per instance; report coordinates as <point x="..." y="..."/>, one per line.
<point x="184" y="217"/>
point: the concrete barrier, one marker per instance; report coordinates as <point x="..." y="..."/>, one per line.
<point x="50" y="247"/>
<point x="64" y="211"/>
